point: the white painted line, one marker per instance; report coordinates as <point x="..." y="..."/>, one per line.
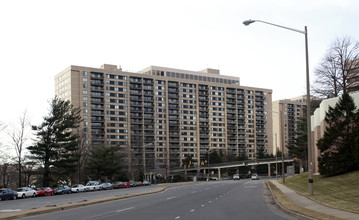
<point x="216" y="198"/>
<point x="202" y="205"/>
<point x="209" y="201"/>
<point x="250" y="187"/>
<point x="10" y="210"/>
<point x="171" y="197"/>
<point x="178" y="217"/>
<point x="192" y="210"/>
<point x="194" y="192"/>
<point x="122" y="210"/>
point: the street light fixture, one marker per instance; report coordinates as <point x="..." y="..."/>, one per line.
<point x="309" y="135"/>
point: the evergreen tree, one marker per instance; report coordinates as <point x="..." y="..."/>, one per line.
<point x="56" y="143"/>
<point x="104" y="162"/>
<point x="339" y="145"/>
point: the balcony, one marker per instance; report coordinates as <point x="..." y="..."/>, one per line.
<point x="96" y="82"/>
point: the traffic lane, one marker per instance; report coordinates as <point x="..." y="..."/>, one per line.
<point x="172" y="204"/>
<point x="244" y="202"/>
<point x="229" y="200"/>
<point x="43" y="201"/>
<point x="137" y="203"/>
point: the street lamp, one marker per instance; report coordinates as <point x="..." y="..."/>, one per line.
<point x="282" y="140"/>
<point x="310" y="162"/>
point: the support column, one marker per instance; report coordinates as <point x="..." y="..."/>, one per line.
<point x="219" y="173"/>
<point x="269" y="174"/>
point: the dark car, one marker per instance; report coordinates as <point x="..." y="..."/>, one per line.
<point x="44" y="191"/>
<point x="62" y="190"/>
<point x="7" y="193"/>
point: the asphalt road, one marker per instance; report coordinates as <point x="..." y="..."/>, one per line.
<point x="244" y="199"/>
<point x="43" y="201"/>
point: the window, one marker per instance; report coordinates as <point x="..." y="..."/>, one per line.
<point x="84" y="73"/>
<point x="84" y="79"/>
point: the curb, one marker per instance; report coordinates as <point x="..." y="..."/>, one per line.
<point x="55" y="208"/>
<point x="285" y="210"/>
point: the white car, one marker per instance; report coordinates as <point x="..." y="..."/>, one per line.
<point x="93" y="185"/>
<point x="235" y="177"/>
<point x="24" y="192"/>
<point x="255" y="177"/>
<point x="78" y="188"/>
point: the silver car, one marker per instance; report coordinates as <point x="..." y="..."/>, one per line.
<point x="255" y="177"/>
<point x="78" y="188"/>
<point x="24" y="192"/>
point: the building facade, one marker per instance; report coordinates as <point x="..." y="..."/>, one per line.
<point x="285" y="115"/>
<point x="319" y="126"/>
<point x="160" y="116"/>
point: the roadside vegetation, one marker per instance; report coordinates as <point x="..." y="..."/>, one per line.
<point x="341" y="191"/>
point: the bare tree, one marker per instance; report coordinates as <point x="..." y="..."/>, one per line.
<point x="6" y="169"/>
<point x="19" y="135"/>
<point x="336" y="68"/>
<point x="82" y="154"/>
<point x="328" y="81"/>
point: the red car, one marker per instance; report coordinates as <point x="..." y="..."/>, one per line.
<point x="44" y="191"/>
<point x="118" y="185"/>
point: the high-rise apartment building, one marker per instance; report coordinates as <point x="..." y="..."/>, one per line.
<point x="163" y="115"/>
<point x="285" y="115"/>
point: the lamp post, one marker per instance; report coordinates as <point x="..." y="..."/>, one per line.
<point x="282" y="143"/>
<point x="310" y="162"/>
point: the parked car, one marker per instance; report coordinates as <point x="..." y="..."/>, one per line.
<point x="132" y="183"/>
<point x="93" y="185"/>
<point x="79" y="188"/>
<point x="138" y="183"/>
<point x="236" y="177"/>
<point x="117" y="185"/>
<point x="146" y="183"/>
<point x="24" y="192"/>
<point x="44" y="191"/>
<point x="6" y="193"/>
<point x="255" y="177"/>
<point x="62" y="190"/>
<point x="106" y="186"/>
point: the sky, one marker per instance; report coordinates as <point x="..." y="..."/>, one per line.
<point x="40" y="38"/>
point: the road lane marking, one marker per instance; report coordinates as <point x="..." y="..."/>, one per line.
<point x="209" y="201"/>
<point x="10" y="210"/>
<point x="192" y="210"/>
<point x="178" y="217"/>
<point x="171" y="197"/>
<point x="202" y="205"/>
<point x="122" y="210"/>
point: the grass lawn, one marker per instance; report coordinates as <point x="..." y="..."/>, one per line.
<point x="340" y="191"/>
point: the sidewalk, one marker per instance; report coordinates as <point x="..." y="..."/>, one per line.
<point x="310" y="204"/>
